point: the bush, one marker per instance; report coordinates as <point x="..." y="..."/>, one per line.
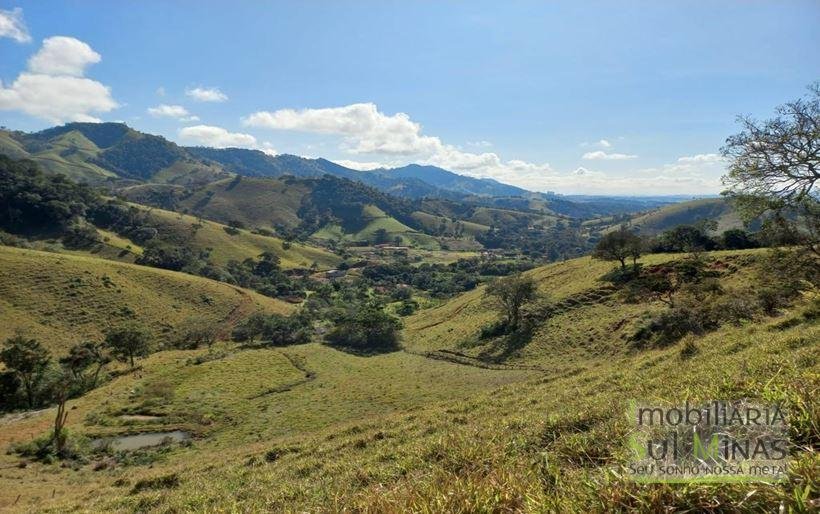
<point x="369" y="330"/>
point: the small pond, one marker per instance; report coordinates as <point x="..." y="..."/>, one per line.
<point x="145" y="440"/>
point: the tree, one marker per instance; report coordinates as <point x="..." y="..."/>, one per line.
<point x="779" y="158"/>
<point x="250" y="328"/>
<point x="774" y="166"/>
<point x="367" y="329"/>
<point x="381" y="236"/>
<point x="618" y="246"/>
<point x="196" y="331"/>
<point x="82" y="356"/>
<point x="61" y="391"/>
<point x="684" y="238"/>
<point x="512" y="293"/>
<point x="737" y="239"/>
<point x="127" y="342"/>
<point x="28" y="360"/>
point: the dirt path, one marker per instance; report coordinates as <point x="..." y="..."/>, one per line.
<point x="242" y="309"/>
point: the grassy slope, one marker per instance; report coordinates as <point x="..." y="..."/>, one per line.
<point x="401" y="432"/>
<point x="255" y="202"/>
<point x="433" y="222"/>
<point x="238" y="247"/>
<point x="377" y="219"/>
<point x="690" y="212"/>
<point x="68" y="154"/>
<point x="64" y="299"/>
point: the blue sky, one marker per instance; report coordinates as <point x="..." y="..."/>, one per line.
<point x="576" y="97"/>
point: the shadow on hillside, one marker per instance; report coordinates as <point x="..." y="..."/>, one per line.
<point x="365" y="352"/>
<point x="502" y="348"/>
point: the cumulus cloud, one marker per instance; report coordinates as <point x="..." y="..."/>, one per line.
<point x="601" y="155"/>
<point x="62" y="55"/>
<point x="268" y="148"/>
<point x="217" y="137"/>
<point x="367" y="131"/>
<point x="206" y="94"/>
<point x="177" y="112"/>
<point x="702" y="158"/>
<point x="54" y="87"/>
<point x="12" y="25"/>
<point x="361" y="166"/>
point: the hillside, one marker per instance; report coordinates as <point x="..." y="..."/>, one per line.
<point x="222" y="246"/>
<point x="541" y="427"/>
<point x="326" y="207"/>
<point x="65" y="299"/>
<point x="99" y="152"/>
<point x="688" y="213"/>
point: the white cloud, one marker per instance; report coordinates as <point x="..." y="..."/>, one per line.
<point x="359" y="165"/>
<point x="601" y="155"/>
<point x="366" y="130"/>
<point x="702" y="158"/>
<point x="54" y="87"/>
<point x="206" y="94"/>
<point x="393" y="140"/>
<point x="480" y="144"/>
<point x="12" y="25"/>
<point x="217" y="137"/>
<point x="268" y="148"/>
<point x="583" y="172"/>
<point x="62" y="55"/>
<point x="177" y="112"/>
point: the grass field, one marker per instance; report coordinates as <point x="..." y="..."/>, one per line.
<point x="204" y="234"/>
<point x="309" y="428"/>
<point x="65" y="299"/>
<point x="664" y="218"/>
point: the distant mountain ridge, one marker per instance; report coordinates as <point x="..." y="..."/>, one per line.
<point x="117" y="156"/>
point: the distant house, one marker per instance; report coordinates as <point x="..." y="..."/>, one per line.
<point x="386" y="249"/>
<point x="335" y="273"/>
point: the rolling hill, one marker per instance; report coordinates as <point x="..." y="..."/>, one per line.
<point x="449" y="423"/>
<point x="687" y="213"/>
<point x="66" y="299"/>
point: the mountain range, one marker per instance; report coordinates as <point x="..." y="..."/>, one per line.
<point x="116" y="155"/>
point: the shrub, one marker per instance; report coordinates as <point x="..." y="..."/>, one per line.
<point x="369" y="330"/>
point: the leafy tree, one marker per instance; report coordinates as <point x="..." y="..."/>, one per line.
<point x="774" y="166"/>
<point x="196" y="331"/>
<point x="284" y="330"/>
<point x="780" y="157"/>
<point x="83" y="356"/>
<point x="28" y="359"/>
<point x="127" y="342"/>
<point x="512" y="293"/>
<point x="737" y="239"/>
<point x="618" y="246"/>
<point x="684" y="238"/>
<point x="250" y="328"/>
<point x="368" y="329"/>
<point x="381" y="236"/>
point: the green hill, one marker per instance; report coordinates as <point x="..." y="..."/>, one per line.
<point x="451" y="423"/>
<point x="65" y="299"/>
<point x="688" y="213"/>
<point x="238" y="245"/>
<point x="100" y="152"/>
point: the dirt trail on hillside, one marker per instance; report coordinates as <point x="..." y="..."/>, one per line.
<point x="241" y="310"/>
